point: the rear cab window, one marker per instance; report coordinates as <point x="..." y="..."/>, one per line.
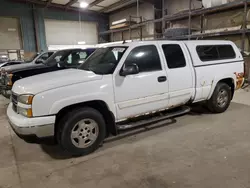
<point x="174" y="56"/>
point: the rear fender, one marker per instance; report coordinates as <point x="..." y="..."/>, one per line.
<point x="216" y="80"/>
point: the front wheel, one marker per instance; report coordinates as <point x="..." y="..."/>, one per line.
<point x="81" y="131"/>
<point x="221" y="98"/>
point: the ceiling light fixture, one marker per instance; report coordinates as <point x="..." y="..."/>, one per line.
<point x="84" y="4"/>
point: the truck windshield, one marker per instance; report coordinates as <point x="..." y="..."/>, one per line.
<point x="70" y="58"/>
<point x="104" y="60"/>
<point x="57" y="57"/>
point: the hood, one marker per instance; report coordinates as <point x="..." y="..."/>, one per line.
<point x="52" y="80"/>
<point x="23" y="66"/>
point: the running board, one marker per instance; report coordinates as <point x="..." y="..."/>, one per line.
<point x="154" y="119"/>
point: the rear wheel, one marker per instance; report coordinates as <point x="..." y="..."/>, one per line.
<point x="81" y="131"/>
<point x="221" y="98"/>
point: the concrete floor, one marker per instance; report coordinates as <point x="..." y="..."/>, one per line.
<point x="195" y="150"/>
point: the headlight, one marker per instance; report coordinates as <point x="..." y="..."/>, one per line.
<point x="27" y="112"/>
<point x="25" y="99"/>
<point x="8" y="79"/>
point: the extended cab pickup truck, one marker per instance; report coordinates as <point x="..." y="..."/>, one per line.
<point x="124" y="86"/>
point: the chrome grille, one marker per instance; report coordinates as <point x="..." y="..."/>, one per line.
<point x="14" y="101"/>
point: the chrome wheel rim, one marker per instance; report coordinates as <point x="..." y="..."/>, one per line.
<point x="222" y="98"/>
<point x="84" y="133"/>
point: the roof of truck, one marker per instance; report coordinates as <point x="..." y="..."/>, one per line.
<point x="190" y="42"/>
<point x="204" y="42"/>
<point x="192" y="48"/>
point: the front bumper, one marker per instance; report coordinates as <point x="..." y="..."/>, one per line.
<point x="39" y="127"/>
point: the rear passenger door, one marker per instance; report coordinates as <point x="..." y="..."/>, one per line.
<point x="179" y="71"/>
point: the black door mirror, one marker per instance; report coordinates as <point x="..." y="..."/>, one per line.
<point x="129" y="69"/>
<point x="39" y="61"/>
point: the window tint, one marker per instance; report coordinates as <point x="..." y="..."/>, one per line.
<point x="174" y="56"/>
<point x="50" y="53"/>
<point x="83" y="55"/>
<point x="45" y="56"/>
<point x="145" y="57"/>
<point x="226" y="52"/>
<point x="73" y="58"/>
<point x="215" y="52"/>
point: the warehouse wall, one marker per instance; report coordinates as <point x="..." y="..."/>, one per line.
<point x="146" y="11"/>
<point x="24" y="11"/>
<point x="229" y="20"/>
<point x="173" y="7"/>
<point x="9" y="33"/>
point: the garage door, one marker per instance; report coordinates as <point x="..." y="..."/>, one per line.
<point x="61" y="32"/>
<point x="9" y="34"/>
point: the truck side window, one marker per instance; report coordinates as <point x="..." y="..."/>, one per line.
<point x="215" y="52"/>
<point x="174" y="56"/>
<point x="73" y="58"/>
<point x="145" y="57"/>
<point x="45" y="56"/>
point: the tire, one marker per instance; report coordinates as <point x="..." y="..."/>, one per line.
<point x="221" y="98"/>
<point x="81" y="131"/>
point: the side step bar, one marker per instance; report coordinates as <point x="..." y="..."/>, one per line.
<point x="154" y="119"/>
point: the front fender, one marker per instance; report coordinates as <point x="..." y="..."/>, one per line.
<point x="50" y="102"/>
<point x="60" y="104"/>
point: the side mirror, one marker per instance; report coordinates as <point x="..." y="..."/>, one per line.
<point x="39" y="61"/>
<point x="129" y="70"/>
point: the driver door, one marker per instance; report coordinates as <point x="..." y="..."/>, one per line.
<point x="146" y="91"/>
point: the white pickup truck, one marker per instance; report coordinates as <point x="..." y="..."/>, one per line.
<point x="124" y="86"/>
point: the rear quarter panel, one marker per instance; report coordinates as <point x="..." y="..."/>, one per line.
<point x="209" y="76"/>
<point x="209" y="73"/>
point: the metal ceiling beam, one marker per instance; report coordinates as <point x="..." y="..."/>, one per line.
<point x="96" y="2"/>
<point x="124" y="4"/>
<point x="71" y="2"/>
<point x="122" y="8"/>
<point x="44" y="3"/>
<point x="118" y="5"/>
